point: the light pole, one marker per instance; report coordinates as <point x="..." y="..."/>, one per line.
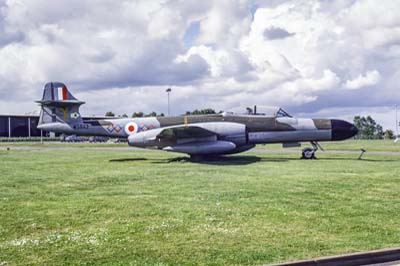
<point x="397" y="125"/>
<point x="168" y="91"/>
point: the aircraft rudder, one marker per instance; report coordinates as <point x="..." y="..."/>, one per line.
<point x="56" y="91"/>
<point x="59" y="105"/>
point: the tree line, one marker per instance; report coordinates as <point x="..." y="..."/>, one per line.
<point x="369" y="129"/>
<point x="154" y="114"/>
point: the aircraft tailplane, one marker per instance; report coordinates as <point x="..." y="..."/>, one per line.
<point x="58" y="105"/>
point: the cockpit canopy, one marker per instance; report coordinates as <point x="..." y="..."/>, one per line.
<point x="282" y="113"/>
<point x="264" y="111"/>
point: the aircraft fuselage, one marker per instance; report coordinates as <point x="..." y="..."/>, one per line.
<point x="215" y="134"/>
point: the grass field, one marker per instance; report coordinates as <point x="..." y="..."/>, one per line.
<point x="89" y="206"/>
<point x="349" y="145"/>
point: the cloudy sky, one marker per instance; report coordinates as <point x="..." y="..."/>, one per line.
<point x="318" y="58"/>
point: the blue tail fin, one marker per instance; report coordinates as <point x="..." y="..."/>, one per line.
<point x="59" y="105"/>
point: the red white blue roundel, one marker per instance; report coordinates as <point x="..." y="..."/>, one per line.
<point x="131" y="128"/>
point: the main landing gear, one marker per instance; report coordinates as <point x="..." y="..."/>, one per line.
<point x="308" y="153"/>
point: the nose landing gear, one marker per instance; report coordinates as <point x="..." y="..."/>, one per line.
<point x="308" y="153"/>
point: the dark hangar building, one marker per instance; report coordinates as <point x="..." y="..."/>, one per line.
<point x="12" y="126"/>
<point x="19" y="126"/>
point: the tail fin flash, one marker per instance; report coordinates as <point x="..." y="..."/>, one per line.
<point x="56" y="91"/>
<point x="59" y="105"/>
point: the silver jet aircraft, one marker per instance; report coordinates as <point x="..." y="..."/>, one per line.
<point x="196" y="135"/>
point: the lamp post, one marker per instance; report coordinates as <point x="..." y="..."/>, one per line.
<point x="168" y="91"/>
<point x="397" y="125"/>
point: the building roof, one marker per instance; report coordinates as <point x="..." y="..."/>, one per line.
<point x="37" y="116"/>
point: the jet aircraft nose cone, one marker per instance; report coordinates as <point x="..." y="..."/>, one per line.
<point x="342" y="130"/>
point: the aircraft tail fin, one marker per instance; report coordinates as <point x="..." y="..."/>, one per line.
<point x="58" y="105"/>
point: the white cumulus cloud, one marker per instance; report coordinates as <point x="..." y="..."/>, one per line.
<point x="305" y="55"/>
<point x="370" y="78"/>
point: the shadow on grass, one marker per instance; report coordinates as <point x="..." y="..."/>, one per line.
<point x="236" y="160"/>
<point x="127" y="160"/>
<point x="222" y="160"/>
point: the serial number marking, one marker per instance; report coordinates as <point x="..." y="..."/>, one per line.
<point x="81" y="126"/>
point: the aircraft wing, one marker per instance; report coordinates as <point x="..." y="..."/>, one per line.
<point x="195" y="139"/>
<point x="184" y="132"/>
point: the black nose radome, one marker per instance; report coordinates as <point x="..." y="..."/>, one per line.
<point x="342" y="130"/>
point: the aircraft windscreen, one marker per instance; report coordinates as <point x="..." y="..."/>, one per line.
<point x="282" y="113"/>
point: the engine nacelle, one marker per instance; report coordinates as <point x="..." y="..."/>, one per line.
<point x="201" y="148"/>
<point x="224" y="131"/>
<point x="145" y="138"/>
<point x="227" y="131"/>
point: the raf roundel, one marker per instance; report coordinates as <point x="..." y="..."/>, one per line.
<point x="131" y="128"/>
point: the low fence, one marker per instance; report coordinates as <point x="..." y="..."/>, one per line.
<point x="29" y="139"/>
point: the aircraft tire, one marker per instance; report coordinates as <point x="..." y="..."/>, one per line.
<point x="308" y="154"/>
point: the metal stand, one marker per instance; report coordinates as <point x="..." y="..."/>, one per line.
<point x="361" y="154"/>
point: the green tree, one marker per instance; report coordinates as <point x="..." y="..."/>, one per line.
<point x="152" y="114"/>
<point x="137" y="114"/>
<point x="368" y="128"/>
<point x="388" y="134"/>
<point x="201" y="112"/>
<point x="109" y="113"/>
